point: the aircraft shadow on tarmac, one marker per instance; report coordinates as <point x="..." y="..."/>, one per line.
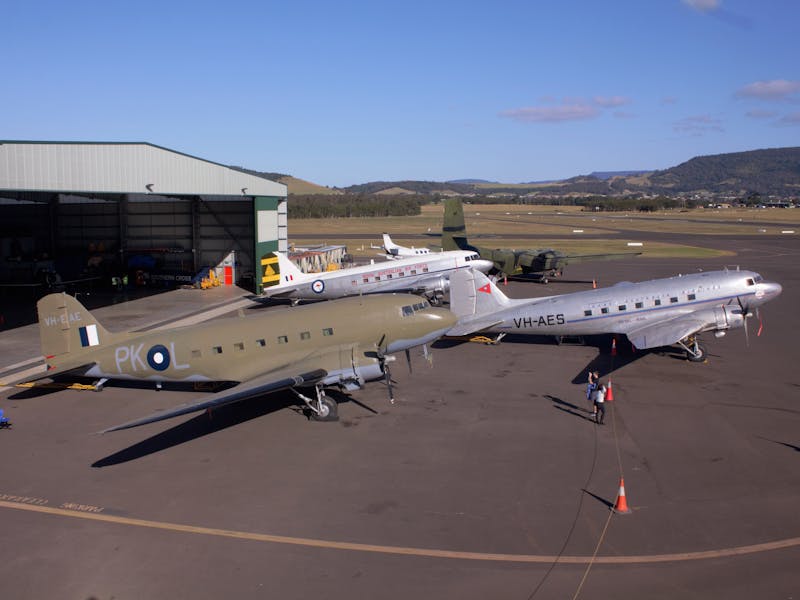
<point x="202" y="425"/>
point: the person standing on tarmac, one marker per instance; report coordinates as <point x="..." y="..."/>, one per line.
<point x="600" y="403"/>
<point x="594" y="377"/>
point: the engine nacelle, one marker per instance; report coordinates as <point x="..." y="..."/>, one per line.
<point x="437" y="286"/>
<point x="728" y="316"/>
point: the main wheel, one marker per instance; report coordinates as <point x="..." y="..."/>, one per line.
<point x="699" y="355"/>
<point x="328" y="410"/>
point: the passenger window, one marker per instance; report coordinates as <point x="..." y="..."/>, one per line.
<point x="261" y="342"/>
<point x="413" y="271"/>
<point x="216" y="349"/>
<point x="657" y="301"/>
<point x="673" y="300"/>
<point x="604" y="310"/>
<point x="239" y="346"/>
<point x="623" y="307"/>
<point x="196" y="354"/>
<point x="305" y="335"/>
<point x="327" y="331"/>
<point x="283" y="339"/>
<point x="639" y="304"/>
<point x="365" y="280"/>
<point x="691" y="296"/>
<point x="587" y="313"/>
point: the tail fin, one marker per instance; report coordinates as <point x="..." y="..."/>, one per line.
<point x="389" y="246"/>
<point x="472" y="294"/>
<point x="68" y="330"/>
<point x="279" y="271"/>
<point x="454" y="230"/>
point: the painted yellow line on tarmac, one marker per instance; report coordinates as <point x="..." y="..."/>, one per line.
<point x="400" y="550"/>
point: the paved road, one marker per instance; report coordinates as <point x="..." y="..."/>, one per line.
<point x="485" y="479"/>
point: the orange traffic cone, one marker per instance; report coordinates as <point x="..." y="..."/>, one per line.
<point x="609" y="392"/>
<point x="621" y="506"/>
<point x="613" y="346"/>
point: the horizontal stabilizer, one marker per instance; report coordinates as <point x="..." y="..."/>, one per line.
<point x="271" y="382"/>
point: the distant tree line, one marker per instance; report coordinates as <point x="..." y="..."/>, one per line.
<point x="315" y="206"/>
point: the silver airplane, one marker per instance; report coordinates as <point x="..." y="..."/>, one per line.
<point x="655" y="313"/>
<point x="428" y="275"/>
<point x="394" y="251"/>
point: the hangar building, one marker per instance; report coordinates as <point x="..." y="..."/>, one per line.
<point x="103" y="208"/>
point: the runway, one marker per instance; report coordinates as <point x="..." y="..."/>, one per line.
<point x="487" y="478"/>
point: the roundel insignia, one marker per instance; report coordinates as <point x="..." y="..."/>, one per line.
<point x="318" y="286"/>
<point x="158" y="357"/>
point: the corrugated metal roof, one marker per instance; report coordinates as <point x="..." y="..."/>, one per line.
<point x="121" y="168"/>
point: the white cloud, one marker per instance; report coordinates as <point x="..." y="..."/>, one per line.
<point x="698" y="125"/>
<point x="703" y="6"/>
<point x="611" y="101"/>
<point x="776" y="89"/>
<point x="551" y="114"/>
<point x="761" y="114"/>
<point x="790" y="119"/>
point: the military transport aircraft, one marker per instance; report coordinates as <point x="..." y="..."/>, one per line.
<point x="341" y="343"/>
<point x="394" y="251"/>
<point x="540" y="262"/>
<point x="655" y="313"/>
<point x="427" y="275"/>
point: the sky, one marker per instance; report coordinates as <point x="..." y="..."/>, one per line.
<point x="341" y="93"/>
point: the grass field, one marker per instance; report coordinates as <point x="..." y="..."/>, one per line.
<point x="499" y="225"/>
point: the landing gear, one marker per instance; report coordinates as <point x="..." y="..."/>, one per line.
<point x="327" y="410"/>
<point x="323" y="408"/>
<point x="694" y="351"/>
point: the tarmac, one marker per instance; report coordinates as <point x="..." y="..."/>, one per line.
<point x="486" y="479"/>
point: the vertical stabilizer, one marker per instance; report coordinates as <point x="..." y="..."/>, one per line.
<point x="68" y="330"/>
<point x="454" y="230"/>
<point x="472" y="294"/>
<point x="278" y="271"/>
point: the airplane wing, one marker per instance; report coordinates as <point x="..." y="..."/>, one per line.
<point x="270" y="382"/>
<point x="665" y="333"/>
<point x="475" y="326"/>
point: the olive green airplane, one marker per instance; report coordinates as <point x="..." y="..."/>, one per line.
<point x="539" y="263"/>
<point x="341" y="343"/>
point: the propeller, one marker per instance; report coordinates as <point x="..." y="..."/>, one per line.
<point x="745" y="314"/>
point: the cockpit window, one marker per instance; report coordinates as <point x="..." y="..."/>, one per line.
<point x="750" y="281"/>
<point x="410" y="309"/>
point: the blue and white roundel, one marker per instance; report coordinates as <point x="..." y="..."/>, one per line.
<point x="158" y="357"/>
<point x="318" y="286"/>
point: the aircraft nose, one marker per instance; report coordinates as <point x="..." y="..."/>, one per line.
<point x="771" y="290"/>
<point x="484" y="266"/>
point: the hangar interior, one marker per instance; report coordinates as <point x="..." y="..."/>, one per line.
<point x="71" y="211"/>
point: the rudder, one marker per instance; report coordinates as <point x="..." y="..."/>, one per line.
<point x="454" y="229"/>
<point x="67" y="328"/>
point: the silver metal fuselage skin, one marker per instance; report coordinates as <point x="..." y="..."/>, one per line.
<point x="627" y="306"/>
<point x="420" y="274"/>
